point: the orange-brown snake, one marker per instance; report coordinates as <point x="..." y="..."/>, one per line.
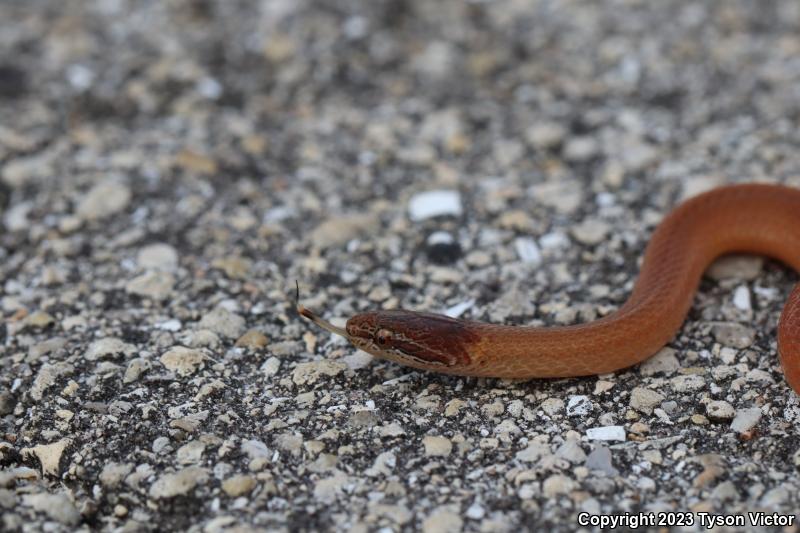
<point x="751" y="218"/>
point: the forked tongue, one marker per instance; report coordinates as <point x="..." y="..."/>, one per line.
<point x="316" y="319"/>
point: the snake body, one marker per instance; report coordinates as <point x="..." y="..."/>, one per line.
<point x="750" y="218"/>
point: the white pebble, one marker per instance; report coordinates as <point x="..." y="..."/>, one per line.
<point x="553" y="240"/>
<point x="440" y="237"/>
<point x="209" y="88"/>
<point x="528" y="250"/>
<point x="606" y="433"/>
<point x="170" y="325"/>
<point x="80" y="77"/>
<point x="433" y="204"/>
<point x="579" y="406"/>
<point x="591" y="231"/>
<point x="746" y="419"/>
<point x="476" y="511"/>
<point x="16" y="218"/>
<point x="605" y="199"/>
<point x="741" y="298"/>
<point x="158" y="256"/>
<point x="457" y="310"/>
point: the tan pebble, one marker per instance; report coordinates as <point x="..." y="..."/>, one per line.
<point x="39" y="319"/>
<point x="183" y="361"/>
<point x="707" y="476"/>
<point x="255" y="144"/>
<point x="454" y="406"/>
<point x="195" y="162"/>
<point x="437" y="446"/>
<point x="590" y="232"/>
<point x="234" y="267"/>
<point x="278" y="48"/>
<point x="49" y="455"/>
<point x="493" y="409"/>
<point x="238" y="485"/>
<point x="720" y="410"/>
<point x="644" y="400"/>
<point x="458" y="143"/>
<point x="741" y="267"/>
<point x="64" y="414"/>
<point x="309" y="373"/>
<point x="178" y="483"/>
<point x="154" y="285"/>
<point x="314" y="446"/>
<point x="253" y="339"/>
<point x="443" y="520"/>
<point x="602" y="386"/>
<point x="557" y="484"/>
<point x="515" y="219"/>
<point x="70" y="389"/>
<point x="104" y="199"/>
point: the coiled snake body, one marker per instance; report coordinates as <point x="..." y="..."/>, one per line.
<point x="751" y="218"/>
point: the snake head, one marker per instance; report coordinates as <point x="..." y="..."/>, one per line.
<point x="421" y="340"/>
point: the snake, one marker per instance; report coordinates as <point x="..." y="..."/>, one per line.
<point x="750" y="218"/>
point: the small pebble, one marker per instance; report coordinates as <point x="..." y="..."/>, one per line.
<point x="48" y="455"/>
<point x="741" y="298"/>
<point x="443" y="520"/>
<point x="103" y="200"/>
<point x="733" y="335"/>
<point x="607" y="433"/>
<point x="746" y="419"/>
<point x="158" y="256"/>
<point x="183" y="361"/>
<point x="238" y="485"/>
<point x="434" y="204"/>
<point x="437" y="446"/>
<point x="556" y="485"/>
<point x="590" y="232"/>
<point x="553" y="406"/>
<point x="600" y="459"/>
<point x="252" y="339"/>
<point x="571" y="451"/>
<point x="720" y="409"/>
<point x="544" y="135"/>
<point x="223" y="322"/>
<point x="663" y="362"/>
<point x="528" y="251"/>
<point x="579" y="406"/>
<point x="57" y="506"/>
<point x="644" y="400"/>
<point x="580" y="149"/>
<point x="155" y="285"/>
<point x="179" y="483"/>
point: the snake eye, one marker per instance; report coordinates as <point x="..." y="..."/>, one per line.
<point x="383" y="336"/>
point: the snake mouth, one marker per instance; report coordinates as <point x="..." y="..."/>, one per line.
<point x="425" y="363"/>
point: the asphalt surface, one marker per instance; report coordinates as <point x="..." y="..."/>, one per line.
<point x="169" y="169"/>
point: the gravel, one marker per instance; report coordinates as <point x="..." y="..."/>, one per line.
<point x="169" y="169"/>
